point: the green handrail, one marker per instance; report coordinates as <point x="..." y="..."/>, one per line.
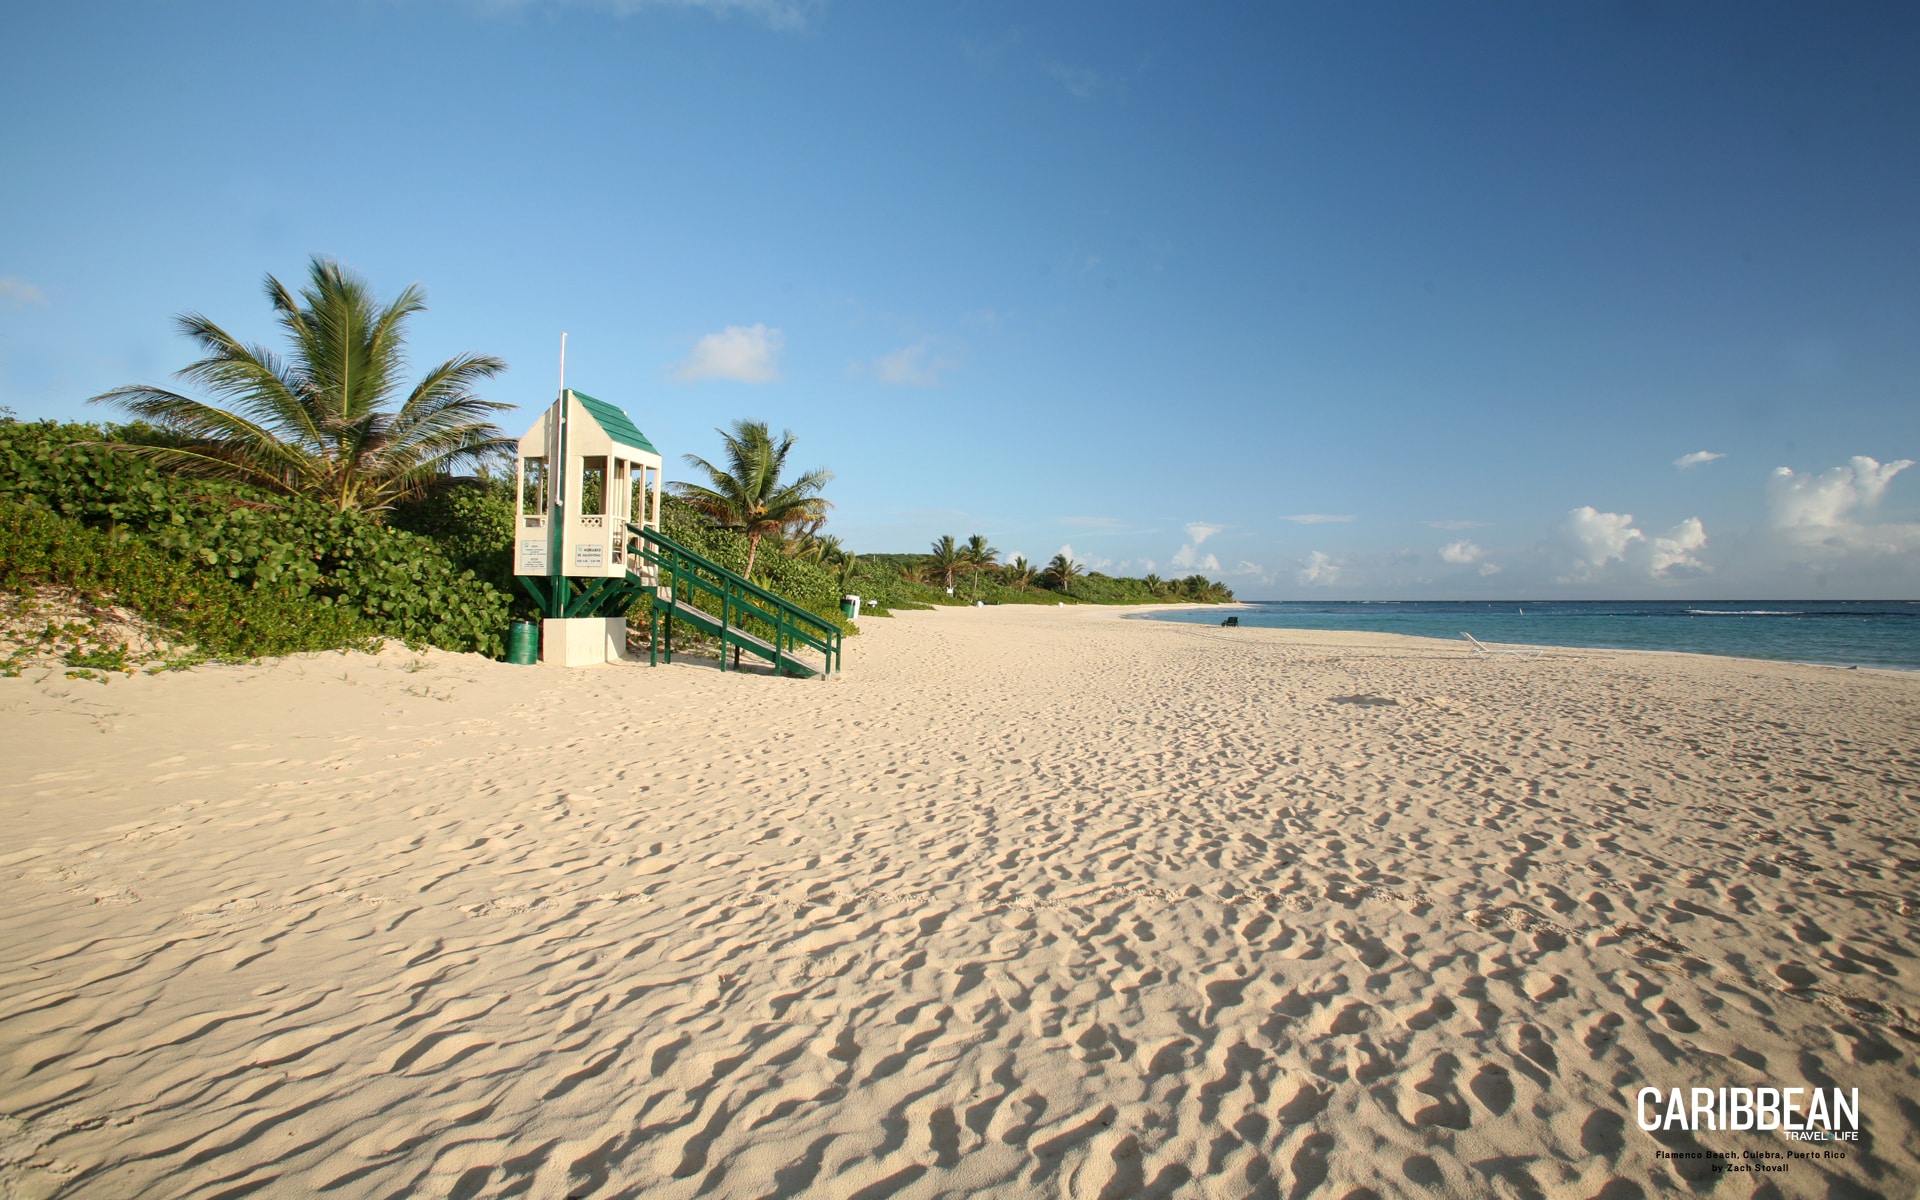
<point x="791" y="624"/>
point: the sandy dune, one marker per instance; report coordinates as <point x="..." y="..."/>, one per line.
<point x="1028" y="902"/>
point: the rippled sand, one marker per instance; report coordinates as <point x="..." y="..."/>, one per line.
<point x="1028" y="902"/>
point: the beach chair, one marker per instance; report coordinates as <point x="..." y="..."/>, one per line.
<point x="1480" y="648"/>
<point x="1230" y="622"/>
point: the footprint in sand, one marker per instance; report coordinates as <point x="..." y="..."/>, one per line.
<point x="1448" y="1110"/>
<point x="1493" y="1087"/>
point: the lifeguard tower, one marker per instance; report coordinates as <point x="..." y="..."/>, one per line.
<point x="588" y="547"/>
<point x="586" y="473"/>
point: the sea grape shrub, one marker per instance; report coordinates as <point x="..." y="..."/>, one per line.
<point x="398" y="584"/>
<point x="472" y="526"/>
<point x="222" y="618"/>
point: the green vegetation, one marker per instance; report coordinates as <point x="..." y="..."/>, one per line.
<point x="375" y="580"/>
<point x="319" y="425"/>
<point x="224" y="619"/>
<point x="977" y="558"/>
<point x="1061" y="573"/>
<point x="943" y="561"/>
<point x="909" y="581"/>
<point x="473" y="527"/>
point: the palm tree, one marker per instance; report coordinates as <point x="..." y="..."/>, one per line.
<point x="1019" y="571"/>
<point x="1063" y="570"/>
<point x="944" y="560"/>
<point x="321" y="422"/>
<point x="749" y="495"/>
<point x="976" y="556"/>
<point x="1155" y="584"/>
<point x="828" y="551"/>
<point x="803" y="540"/>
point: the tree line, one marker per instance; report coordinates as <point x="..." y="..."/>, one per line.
<point x="948" y="561"/>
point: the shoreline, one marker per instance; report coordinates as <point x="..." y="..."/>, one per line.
<point x="1148" y="614"/>
<point x="1028" y="903"/>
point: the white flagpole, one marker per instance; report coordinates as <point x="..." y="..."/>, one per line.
<point x="556" y="472"/>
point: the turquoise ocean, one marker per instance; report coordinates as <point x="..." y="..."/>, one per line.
<point x="1840" y="632"/>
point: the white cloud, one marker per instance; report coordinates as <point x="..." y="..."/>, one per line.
<point x="1189" y="555"/>
<point x="1319" y="570"/>
<point x="1696" y="458"/>
<point x="913" y="366"/>
<point x="1828" y="500"/>
<point x="1820" y="517"/>
<point x="1676" y="547"/>
<point x="1243" y="567"/>
<point x="1462" y="551"/>
<point x="1316" y="519"/>
<point x="1593" y="540"/>
<point x="1189" y="558"/>
<point x="1455" y="526"/>
<point x="16" y="292"/>
<point x="1489" y="569"/>
<point x="742" y="353"/>
<point x="1088" y="562"/>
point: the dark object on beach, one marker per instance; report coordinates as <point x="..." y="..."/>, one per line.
<point x="1365" y="701"/>
<point x="1231" y="621"/>
<point x="523" y="643"/>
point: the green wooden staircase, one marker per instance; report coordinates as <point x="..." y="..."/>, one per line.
<point x="692" y="589"/>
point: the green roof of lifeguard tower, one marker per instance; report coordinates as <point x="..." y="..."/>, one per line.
<point x="618" y="425"/>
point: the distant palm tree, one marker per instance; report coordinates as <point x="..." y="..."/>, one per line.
<point x="1196" y="587"/>
<point x="976" y="556"/>
<point x="749" y="495"/>
<point x="944" y="559"/>
<point x="321" y="422"/>
<point x="829" y="551"/>
<point x="1063" y="571"/>
<point x="1155" y="584"/>
<point x="1019" y="571"/>
<point x="804" y="541"/>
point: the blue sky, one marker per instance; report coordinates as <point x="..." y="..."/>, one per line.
<point x="1357" y="300"/>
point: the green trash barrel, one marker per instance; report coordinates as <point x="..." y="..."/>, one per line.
<point x="523" y="643"/>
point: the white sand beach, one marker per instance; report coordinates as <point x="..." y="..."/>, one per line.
<point x="1028" y="902"/>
